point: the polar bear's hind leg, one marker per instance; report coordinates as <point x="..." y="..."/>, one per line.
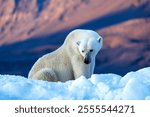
<point x="46" y="74"/>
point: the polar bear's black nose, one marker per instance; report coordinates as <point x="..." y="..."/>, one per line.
<point x="87" y="61"/>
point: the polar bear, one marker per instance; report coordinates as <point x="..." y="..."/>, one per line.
<point x="75" y="58"/>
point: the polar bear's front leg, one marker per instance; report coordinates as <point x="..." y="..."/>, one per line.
<point x="92" y="64"/>
<point x="45" y="74"/>
<point x="80" y="68"/>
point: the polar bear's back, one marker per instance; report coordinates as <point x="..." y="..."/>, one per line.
<point x="58" y="61"/>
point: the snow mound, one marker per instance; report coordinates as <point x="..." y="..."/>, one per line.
<point x="133" y="86"/>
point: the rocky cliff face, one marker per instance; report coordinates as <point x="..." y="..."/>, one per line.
<point x="22" y="19"/>
<point x="31" y="28"/>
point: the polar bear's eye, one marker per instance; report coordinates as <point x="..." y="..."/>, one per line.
<point x="83" y="51"/>
<point x="91" y="50"/>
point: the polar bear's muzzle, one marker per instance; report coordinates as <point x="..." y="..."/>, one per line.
<point x="87" y="59"/>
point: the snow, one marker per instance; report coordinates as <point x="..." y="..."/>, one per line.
<point x="132" y="86"/>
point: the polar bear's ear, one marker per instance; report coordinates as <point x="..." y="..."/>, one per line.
<point x="99" y="39"/>
<point x="78" y="43"/>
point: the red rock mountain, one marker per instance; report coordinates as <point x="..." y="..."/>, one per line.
<point x="31" y="28"/>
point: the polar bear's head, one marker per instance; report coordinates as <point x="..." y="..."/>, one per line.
<point x="88" y="43"/>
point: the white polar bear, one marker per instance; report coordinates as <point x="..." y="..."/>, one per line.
<point x="75" y="58"/>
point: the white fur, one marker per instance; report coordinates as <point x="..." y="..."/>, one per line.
<point x="72" y="60"/>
